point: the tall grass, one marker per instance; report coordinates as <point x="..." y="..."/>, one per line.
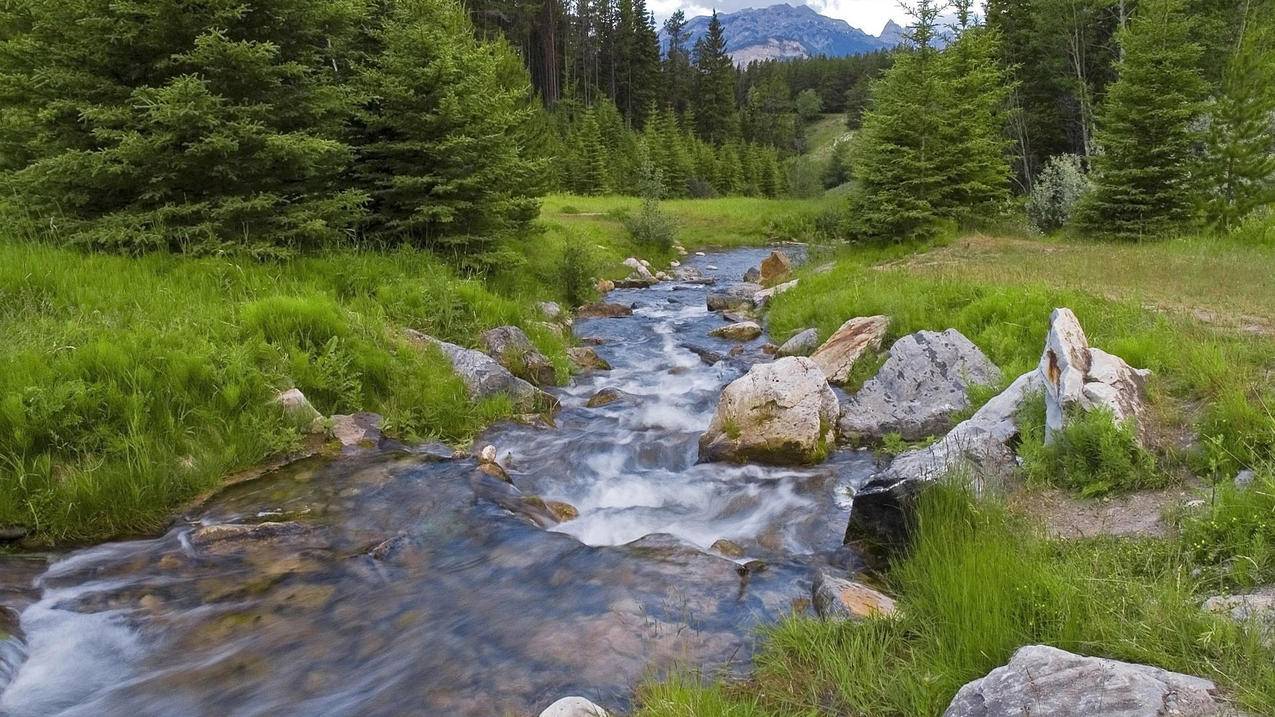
<point x="980" y="582"/>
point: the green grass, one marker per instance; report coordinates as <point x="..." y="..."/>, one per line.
<point x="980" y="582"/>
<point x="1208" y="379"/>
<point x="824" y="133"/>
<point x="130" y="384"/>
<point x="1234" y="535"/>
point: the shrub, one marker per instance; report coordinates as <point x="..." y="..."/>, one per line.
<point x="574" y="273"/>
<point x="652" y="226"/>
<point x="1093" y="455"/>
<point x="1056" y="193"/>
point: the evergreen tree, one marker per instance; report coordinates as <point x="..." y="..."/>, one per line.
<point x="895" y="160"/>
<point x="678" y="74"/>
<point x="714" y="86"/>
<point x="1240" y="142"/>
<point x="439" y="151"/>
<point x="972" y="151"/>
<point x="1145" y="172"/>
<point x="198" y="127"/>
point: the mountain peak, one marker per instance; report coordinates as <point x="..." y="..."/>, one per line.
<point x="784" y="31"/>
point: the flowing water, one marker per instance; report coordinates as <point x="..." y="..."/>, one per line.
<point x="397" y="582"/>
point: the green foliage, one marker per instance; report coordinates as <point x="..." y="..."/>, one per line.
<point x="808" y="105"/>
<point x="1145" y="174"/>
<point x="438" y="143"/>
<point x="1240" y="141"/>
<point x="715" y="108"/>
<point x="652" y="227"/>
<point x="1058" y="190"/>
<point x="979" y="583"/>
<point x="1234" y="535"/>
<point x="1092" y="456"/>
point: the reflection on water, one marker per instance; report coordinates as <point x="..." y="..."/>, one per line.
<point x="395" y="583"/>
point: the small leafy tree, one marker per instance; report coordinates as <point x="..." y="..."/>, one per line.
<point x="1061" y="186"/>
<point x="652" y="226"/>
<point x="808" y="105"/>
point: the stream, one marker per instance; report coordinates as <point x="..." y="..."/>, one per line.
<point x="398" y="581"/>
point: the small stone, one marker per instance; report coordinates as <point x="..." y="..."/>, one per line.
<point x="763" y="297"/>
<point x="604" y="286"/>
<point x="359" y="430"/>
<point x="562" y="512"/>
<point x="150" y="603"/>
<point x="700" y="253"/>
<point x="586" y="359"/>
<point x="753" y="275"/>
<point x="775" y="268"/>
<point x="603" y="311"/>
<point x="1245" y="478"/>
<point x="840" y="599"/>
<point x="743" y="331"/>
<point x="801" y="344"/>
<point x="573" y="707"/>
<point x="769" y="349"/>
<point x="733" y="298"/>
<point x="550" y="310"/>
<point x="604" y="397"/>
<point x="728" y="548"/>
<point x="299" y="410"/>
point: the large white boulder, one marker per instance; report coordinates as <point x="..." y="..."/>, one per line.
<point x="1079" y="378"/>
<point x="1042" y="680"/>
<point x="838" y="355"/>
<point x="782" y="413"/>
<point x="922" y="385"/>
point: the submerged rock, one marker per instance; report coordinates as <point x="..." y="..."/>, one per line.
<point x="840" y="599"/>
<point x="605" y="397"/>
<point x="753" y="275"/>
<point x="922" y="385"/>
<point x="880" y="508"/>
<point x="775" y="268"/>
<point x="484" y="377"/>
<point x="227" y="532"/>
<point x="728" y="548"/>
<point x="732" y="298"/>
<point x="1079" y="378"/>
<point x="838" y="355"/>
<point x="573" y="707"/>
<point x="603" y="310"/>
<point x="781" y="413"/>
<point x="359" y="430"/>
<point x="587" y="359"/>
<point x="742" y="331"/>
<point x="801" y="344"/>
<point x="1042" y="680"/>
<point x="512" y="349"/>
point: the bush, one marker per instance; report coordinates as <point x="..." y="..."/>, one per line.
<point x="652" y="227"/>
<point x="574" y="273"/>
<point x="1093" y="455"/>
<point x="1056" y="193"/>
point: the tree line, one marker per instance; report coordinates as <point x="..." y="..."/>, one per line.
<point x="1122" y="119"/>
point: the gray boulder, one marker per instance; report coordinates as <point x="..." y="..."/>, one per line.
<point x="359" y="430"/>
<point x="782" y="413"/>
<point x="922" y="385"/>
<point x="299" y="410"/>
<point x="483" y="377"/>
<point x="801" y="344"/>
<point x="586" y="358"/>
<point x="1041" y="680"/>
<point x="512" y="349"/>
<point x="732" y="298"/>
<point x="1255" y="610"/>
<point x="753" y="275"/>
<point x="551" y="311"/>
<point x="880" y="508"/>
<point x="763" y="297"/>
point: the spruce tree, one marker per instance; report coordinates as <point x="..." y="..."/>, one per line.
<point x="163" y="124"/>
<point x="678" y="74"/>
<point x="439" y="153"/>
<point x="895" y="161"/>
<point x="1240" y="141"/>
<point x="715" y="105"/>
<point x="1145" y="173"/>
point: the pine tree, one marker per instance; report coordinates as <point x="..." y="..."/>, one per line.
<point x="972" y="151"/>
<point x="715" y="104"/>
<point x="439" y="153"/>
<point x="677" y="71"/>
<point x="1240" y="142"/>
<point x="1145" y="172"/>
<point x="191" y="126"/>
<point x="895" y="160"/>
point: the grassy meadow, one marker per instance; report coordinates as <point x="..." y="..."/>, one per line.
<point x="130" y="384"/>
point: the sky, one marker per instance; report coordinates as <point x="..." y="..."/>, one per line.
<point x="867" y="15"/>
